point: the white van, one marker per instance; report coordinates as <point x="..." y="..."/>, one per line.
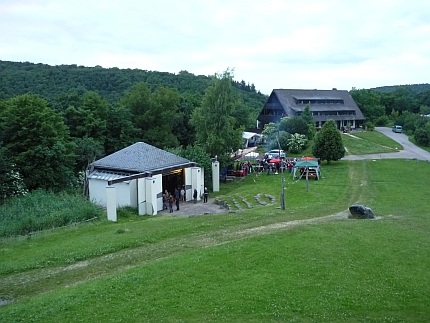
<point x="397" y="129"/>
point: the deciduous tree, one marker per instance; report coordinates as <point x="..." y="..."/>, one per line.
<point x="37" y="141"/>
<point x="216" y="128"/>
<point x="154" y="113"/>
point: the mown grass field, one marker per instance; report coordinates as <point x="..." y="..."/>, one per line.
<point x="369" y="142"/>
<point x="309" y="263"/>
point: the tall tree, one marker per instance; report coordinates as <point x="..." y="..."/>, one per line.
<point x="182" y="128"/>
<point x="37" y="141"/>
<point x="121" y="131"/>
<point x="89" y="119"/>
<point x="370" y="103"/>
<point x="154" y="113"/>
<point x="215" y="126"/>
<point x="328" y="143"/>
<point x="294" y="124"/>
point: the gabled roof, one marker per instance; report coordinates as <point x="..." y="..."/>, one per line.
<point x="288" y="97"/>
<point x="139" y="158"/>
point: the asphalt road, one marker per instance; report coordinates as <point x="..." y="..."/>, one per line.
<point x="410" y="151"/>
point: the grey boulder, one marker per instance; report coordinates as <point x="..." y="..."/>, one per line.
<point x="359" y="211"/>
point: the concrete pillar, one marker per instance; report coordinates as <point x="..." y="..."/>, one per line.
<point x="111" y="203"/>
<point x="159" y="191"/>
<point x="151" y="196"/>
<point x="215" y="176"/>
<point x="188" y="184"/>
<point x="196" y="181"/>
<point x="141" y="196"/>
<point x="202" y="180"/>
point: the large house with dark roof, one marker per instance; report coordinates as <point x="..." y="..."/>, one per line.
<point x="140" y="174"/>
<point x="337" y="105"/>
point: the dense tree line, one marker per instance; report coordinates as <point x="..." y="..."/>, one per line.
<point x="54" y="82"/>
<point x="47" y="140"/>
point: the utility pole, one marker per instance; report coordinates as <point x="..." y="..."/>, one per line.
<point x="282" y="172"/>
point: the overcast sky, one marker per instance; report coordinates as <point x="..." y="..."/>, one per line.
<point x="274" y="44"/>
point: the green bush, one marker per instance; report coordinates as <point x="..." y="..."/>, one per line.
<point x="369" y="126"/>
<point x="422" y="136"/>
<point x="382" y="121"/>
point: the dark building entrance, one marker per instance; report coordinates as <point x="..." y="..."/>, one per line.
<point x="173" y="180"/>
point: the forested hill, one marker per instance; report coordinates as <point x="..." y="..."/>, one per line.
<point x="417" y="88"/>
<point x="50" y="82"/>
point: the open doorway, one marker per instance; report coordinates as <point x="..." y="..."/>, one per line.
<point x="173" y="180"/>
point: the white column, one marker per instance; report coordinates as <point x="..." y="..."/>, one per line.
<point x="151" y="196"/>
<point x="202" y="180"/>
<point x="196" y="181"/>
<point x="215" y="176"/>
<point x="141" y="196"/>
<point x="133" y="193"/>
<point x="188" y="184"/>
<point x="159" y="191"/>
<point x="111" y="203"/>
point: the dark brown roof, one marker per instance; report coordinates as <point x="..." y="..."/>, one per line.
<point x="288" y="97"/>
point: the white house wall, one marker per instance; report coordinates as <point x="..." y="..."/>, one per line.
<point x="135" y="193"/>
<point x="122" y="194"/>
<point x="97" y="190"/>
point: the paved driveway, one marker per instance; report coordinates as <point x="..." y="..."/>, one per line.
<point x="409" y="151"/>
<point x="190" y="209"/>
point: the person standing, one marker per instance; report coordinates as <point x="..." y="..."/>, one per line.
<point x="183" y="194"/>
<point x="205" y="195"/>
<point x="164" y="201"/>
<point x="177" y="198"/>
<point x="195" y="196"/>
<point x="170" y="203"/>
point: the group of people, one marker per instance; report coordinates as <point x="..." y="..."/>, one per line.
<point x="274" y="168"/>
<point x="169" y="199"/>
<point x="180" y="195"/>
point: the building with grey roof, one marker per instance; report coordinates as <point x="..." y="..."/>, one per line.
<point x="337" y="105"/>
<point x="127" y="170"/>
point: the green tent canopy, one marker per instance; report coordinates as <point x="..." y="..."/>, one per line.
<point x="307" y="164"/>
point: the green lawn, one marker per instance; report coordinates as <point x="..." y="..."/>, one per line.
<point x="308" y="263"/>
<point x="369" y="142"/>
<point x="259" y="265"/>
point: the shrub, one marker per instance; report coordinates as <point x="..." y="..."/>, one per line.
<point x="382" y="121"/>
<point x="422" y="136"/>
<point x="41" y="210"/>
<point x="369" y="126"/>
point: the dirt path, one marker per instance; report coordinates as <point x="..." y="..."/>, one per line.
<point x="29" y="283"/>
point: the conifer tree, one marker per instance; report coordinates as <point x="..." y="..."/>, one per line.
<point x="328" y="143"/>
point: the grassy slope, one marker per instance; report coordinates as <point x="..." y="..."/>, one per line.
<point x="209" y="268"/>
<point x="372" y="142"/>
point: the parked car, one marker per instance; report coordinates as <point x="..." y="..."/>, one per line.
<point x="397" y="129"/>
<point x="276" y="153"/>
